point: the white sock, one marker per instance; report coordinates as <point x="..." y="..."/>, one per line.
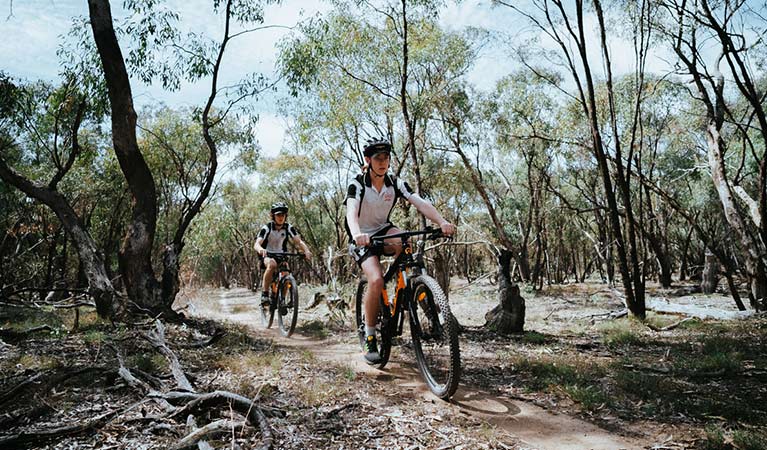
<point x="370" y="331"/>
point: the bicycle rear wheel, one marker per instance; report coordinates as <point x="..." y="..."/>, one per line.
<point x="287" y="310"/>
<point x="435" y="337"/>
<point x="383" y="333"/>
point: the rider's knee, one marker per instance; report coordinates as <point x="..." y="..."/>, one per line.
<point x="375" y="282"/>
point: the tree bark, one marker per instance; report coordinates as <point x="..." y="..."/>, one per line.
<point x="710" y="279"/>
<point x="135" y="257"/>
<point x="509" y="315"/>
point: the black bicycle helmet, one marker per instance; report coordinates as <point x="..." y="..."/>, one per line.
<point x="279" y="207"/>
<point x="375" y="146"/>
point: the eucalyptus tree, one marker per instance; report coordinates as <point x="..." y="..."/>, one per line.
<point x="564" y="26"/>
<point x="376" y="70"/>
<point x="40" y="144"/>
<point x="220" y="245"/>
<point x="733" y="32"/>
<point x="162" y="51"/>
<point x="386" y="60"/>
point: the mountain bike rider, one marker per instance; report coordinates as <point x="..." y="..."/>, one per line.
<point x="275" y="235"/>
<point x="370" y="199"/>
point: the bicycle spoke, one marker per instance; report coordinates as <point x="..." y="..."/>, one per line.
<point x="435" y="337"/>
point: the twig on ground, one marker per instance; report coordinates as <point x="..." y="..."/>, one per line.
<point x="668" y="327"/>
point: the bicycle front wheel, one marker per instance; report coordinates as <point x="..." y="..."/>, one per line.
<point x="435" y="337"/>
<point x="287" y="309"/>
<point x="383" y="333"/>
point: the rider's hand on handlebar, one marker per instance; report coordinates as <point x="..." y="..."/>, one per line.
<point x="448" y="229"/>
<point x="362" y="240"/>
<point x="262" y="252"/>
<point x="308" y="255"/>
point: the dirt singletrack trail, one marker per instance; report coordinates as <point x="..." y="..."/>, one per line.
<point x="534" y="426"/>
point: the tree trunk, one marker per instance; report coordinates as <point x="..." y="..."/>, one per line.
<point x="685" y="247"/>
<point x="754" y="249"/>
<point x="441" y="272"/>
<point x="710" y="279"/>
<point x="135" y="257"/>
<point x="509" y="315"/>
<point x="728" y="271"/>
<point x="99" y="286"/>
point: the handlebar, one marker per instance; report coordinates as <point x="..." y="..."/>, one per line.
<point x="431" y="233"/>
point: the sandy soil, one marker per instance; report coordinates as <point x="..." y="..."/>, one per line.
<point x="533" y="426"/>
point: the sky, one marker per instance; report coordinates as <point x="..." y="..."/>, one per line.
<point x="38" y="25"/>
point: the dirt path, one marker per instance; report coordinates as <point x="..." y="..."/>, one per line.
<point x="536" y="427"/>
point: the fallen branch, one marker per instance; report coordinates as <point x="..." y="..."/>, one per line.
<point x="157" y="339"/>
<point x="73" y="305"/>
<point x="668" y="327"/>
<point x="244" y="405"/>
<point x="54" y="381"/>
<point x="5" y="396"/>
<point x="126" y="374"/>
<point x="213" y="430"/>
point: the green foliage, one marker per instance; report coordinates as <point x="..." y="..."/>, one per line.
<point x="590" y="398"/>
<point x="619" y="339"/>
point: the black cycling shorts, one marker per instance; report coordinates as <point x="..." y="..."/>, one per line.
<point x="360" y="254"/>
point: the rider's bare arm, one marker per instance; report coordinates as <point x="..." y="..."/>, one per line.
<point x="302" y="245"/>
<point x="259" y="249"/>
<point x="352" y="218"/>
<point x="427" y="209"/>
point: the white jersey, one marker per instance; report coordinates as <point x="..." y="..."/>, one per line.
<point x="375" y="206"/>
<point x="274" y="240"/>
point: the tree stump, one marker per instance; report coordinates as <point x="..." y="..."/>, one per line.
<point x="509" y="316"/>
<point x="710" y="279"/>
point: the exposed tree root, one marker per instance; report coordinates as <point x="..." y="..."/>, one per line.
<point x="241" y="404"/>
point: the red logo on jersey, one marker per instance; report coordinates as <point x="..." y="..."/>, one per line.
<point x="388" y="197"/>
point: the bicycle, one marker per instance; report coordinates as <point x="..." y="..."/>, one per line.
<point x="433" y="328"/>
<point x="283" y="296"/>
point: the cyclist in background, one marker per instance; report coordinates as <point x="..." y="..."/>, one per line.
<point x="273" y="238"/>
<point x="370" y="199"/>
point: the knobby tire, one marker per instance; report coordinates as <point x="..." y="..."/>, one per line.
<point x="435" y="337"/>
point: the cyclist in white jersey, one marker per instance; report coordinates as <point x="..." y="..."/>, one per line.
<point x="273" y="238"/>
<point x="370" y="199"/>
